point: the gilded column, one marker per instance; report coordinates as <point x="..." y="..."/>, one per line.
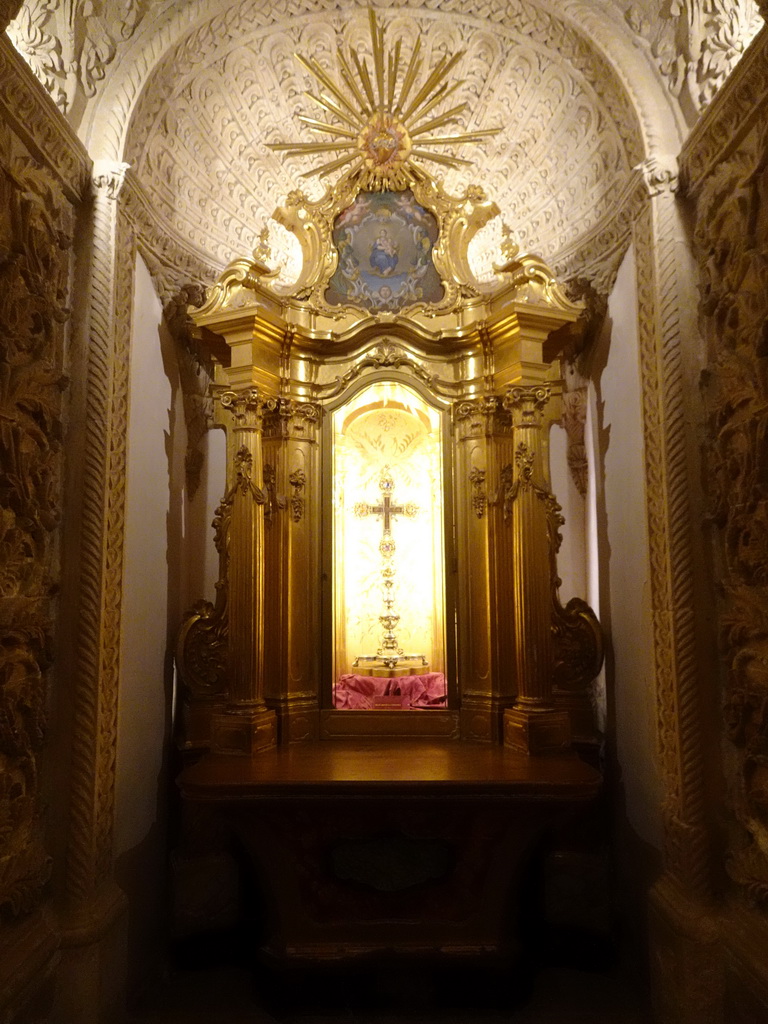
<point x="485" y="652"/>
<point x="247" y="725"/>
<point x="532" y="725"/>
<point x="292" y="625"/>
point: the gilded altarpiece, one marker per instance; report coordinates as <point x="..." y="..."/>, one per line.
<point x="387" y="624"/>
<point x="262" y="665"/>
<point x="344" y="383"/>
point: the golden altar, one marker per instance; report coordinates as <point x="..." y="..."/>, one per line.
<point x="388" y="507"/>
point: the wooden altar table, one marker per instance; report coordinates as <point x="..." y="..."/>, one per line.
<point x="389" y="846"/>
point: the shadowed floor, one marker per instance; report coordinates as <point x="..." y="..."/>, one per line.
<point x="231" y="996"/>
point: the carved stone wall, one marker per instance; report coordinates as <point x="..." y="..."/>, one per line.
<point x="35" y="249"/>
<point x="708" y="933"/>
<point x="696" y="44"/>
<point x="725" y="167"/>
<point x="69" y="45"/>
<point x="37" y="221"/>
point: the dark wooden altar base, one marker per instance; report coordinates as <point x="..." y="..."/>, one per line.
<point x="392" y="847"/>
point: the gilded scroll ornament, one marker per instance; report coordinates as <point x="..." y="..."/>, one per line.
<point x="517" y="480"/>
<point x="524" y="463"/>
<point x="297" y="480"/>
<point x="578" y="645"/>
<point x="479" y="497"/>
<point x="244" y="482"/>
<point x="201" y="651"/>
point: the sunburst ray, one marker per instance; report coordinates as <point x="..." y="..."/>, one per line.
<point x="381" y="123"/>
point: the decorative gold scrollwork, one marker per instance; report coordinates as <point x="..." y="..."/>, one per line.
<point x="297" y="480"/>
<point x="512" y="485"/>
<point x="243" y="480"/>
<point x="201" y="650"/>
<point x="578" y="645"/>
<point x="273" y="502"/>
<point x="479" y="497"/>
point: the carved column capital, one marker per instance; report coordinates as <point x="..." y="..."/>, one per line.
<point x="475" y="415"/>
<point x="527" y="403"/>
<point x="288" y="417"/>
<point x="244" y="405"/>
<point x="660" y="174"/>
<point x="108" y="177"/>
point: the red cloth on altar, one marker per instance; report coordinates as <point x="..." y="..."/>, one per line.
<point x="356" y="692"/>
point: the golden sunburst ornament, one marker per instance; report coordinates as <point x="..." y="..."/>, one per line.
<point x="383" y="124"/>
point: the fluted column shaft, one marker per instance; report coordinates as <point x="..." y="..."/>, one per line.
<point x="531" y="556"/>
<point x="246" y="552"/>
<point x="533" y="725"/>
<point x="248" y="725"/>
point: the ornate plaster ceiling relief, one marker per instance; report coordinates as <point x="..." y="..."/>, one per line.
<point x="199" y="132"/>
<point x="696" y="44"/>
<point x="70" y="45"/>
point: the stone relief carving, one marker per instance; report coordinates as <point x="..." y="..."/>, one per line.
<point x="573" y="421"/>
<point x="741" y="104"/>
<point x="70" y="45"/>
<point x="696" y="44"/>
<point x="687" y="849"/>
<point x="40" y="125"/>
<point x="234" y="85"/>
<point x="35" y="242"/>
<point x="731" y="228"/>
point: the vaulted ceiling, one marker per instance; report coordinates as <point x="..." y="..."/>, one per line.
<point x="190" y="93"/>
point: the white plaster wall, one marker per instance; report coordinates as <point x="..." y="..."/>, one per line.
<point x="153" y="547"/>
<point x="571" y="558"/>
<point x="143" y="706"/>
<point x="169" y="562"/>
<point x="201" y="557"/>
<point x="618" y="559"/>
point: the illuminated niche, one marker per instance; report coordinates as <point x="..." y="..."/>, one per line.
<point x="388" y="545"/>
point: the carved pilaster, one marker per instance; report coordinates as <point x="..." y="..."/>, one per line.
<point x="532" y="725"/>
<point x="486" y="671"/>
<point x="101" y="545"/>
<point x="292" y="624"/>
<point x="35" y="272"/>
<point x="672" y="582"/>
<point x="247" y="725"/>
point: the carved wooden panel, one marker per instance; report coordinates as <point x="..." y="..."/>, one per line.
<point x="35" y="242"/>
<point x="731" y="232"/>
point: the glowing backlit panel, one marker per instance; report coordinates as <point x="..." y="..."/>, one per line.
<point x="387" y="444"/>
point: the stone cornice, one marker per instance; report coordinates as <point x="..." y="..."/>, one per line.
<point x="33" y="116"/>
<point x="730" y="116"/>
